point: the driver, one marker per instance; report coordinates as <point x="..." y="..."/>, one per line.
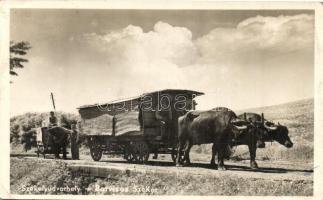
<point x="52" y="119"/>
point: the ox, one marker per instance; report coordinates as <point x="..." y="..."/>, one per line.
<point x="220" y="127"/>
<point x="272" y="132"/>
<point x="59" y="139"/>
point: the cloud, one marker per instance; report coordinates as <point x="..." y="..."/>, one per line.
<point x="257" y="38"/>
<point x="222" y="63"/>
<point x="146" y="60"/>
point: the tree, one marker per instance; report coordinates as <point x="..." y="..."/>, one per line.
<point x="17" y="49"/>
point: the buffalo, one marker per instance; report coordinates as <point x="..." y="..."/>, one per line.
<point x="218" y="126"/>
<point x="61" y="138"/>
<point x="273" y="132"/>
<point x="269" y="131"/>
<point x="56" y="137"/>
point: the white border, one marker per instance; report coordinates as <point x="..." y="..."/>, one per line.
<point x="168" y="4"/>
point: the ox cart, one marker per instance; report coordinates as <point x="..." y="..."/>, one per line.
<point x="47" y="142"/>
<point x="136" y="127"/>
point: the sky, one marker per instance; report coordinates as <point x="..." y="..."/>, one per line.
<point x="239" y="59"/>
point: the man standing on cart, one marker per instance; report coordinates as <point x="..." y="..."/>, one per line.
<point x="52" y="120"/>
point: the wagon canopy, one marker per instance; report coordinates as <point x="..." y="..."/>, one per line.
<point x="130" y="104"/>
<point x="121" y="116"/>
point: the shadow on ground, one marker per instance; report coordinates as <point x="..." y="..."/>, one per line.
<point x="229" y="167"/>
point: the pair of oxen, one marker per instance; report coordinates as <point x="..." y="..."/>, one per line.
<point x="223" y="128"/>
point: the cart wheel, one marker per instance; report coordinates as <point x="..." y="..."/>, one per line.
<point x="95" y="150"/>
<point x="140" y="151"/>
<point x="40" y="150"/>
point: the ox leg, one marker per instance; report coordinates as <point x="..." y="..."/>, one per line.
<point x="64" y="152"/>
<point x="188" y="147"/>
<point x="221" y="152"/>
<point x="252" y="150"/>
<point x="56" y="150"/>
<point x="181" y="145"/>
<point x="214" y="150"/>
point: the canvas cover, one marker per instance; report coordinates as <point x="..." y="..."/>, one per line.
<point x="101" y="125"/>
<point x="127" y="123"/>
<point x="39" y="135"/>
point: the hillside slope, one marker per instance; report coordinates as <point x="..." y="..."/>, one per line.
<point x="298" y="116"/>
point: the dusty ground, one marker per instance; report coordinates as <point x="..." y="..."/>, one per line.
<point x="159" y="177"/>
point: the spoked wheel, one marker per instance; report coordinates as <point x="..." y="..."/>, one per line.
<point x="95" y="149"/>
<point x="140" y="151"/>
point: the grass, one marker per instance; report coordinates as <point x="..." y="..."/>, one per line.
<point x="52" y="173"/>
<point x="171" y="184"/>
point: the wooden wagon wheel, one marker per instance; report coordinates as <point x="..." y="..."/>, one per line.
<point x="140" y="151"/>
<point x="41" y="150"/>
<point x="95" y="149"/>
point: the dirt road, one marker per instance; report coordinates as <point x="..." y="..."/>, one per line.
<point x="277" y="170"/>
<point x="274" y="177"/>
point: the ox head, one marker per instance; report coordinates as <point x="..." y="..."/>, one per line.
<point x="260" y="130"/>
<point x="244" y="128"/>
<point x="278" y="133"/>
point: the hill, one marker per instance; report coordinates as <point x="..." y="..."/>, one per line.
<point x="298" y="116"/>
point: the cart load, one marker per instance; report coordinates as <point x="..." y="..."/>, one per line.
<point x="126" y="123"/>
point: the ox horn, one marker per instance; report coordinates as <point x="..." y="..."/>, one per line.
<point x="243" y="127"/>
<point x="270" y="127"/>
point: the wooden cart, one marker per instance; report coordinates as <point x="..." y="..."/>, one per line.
<point x="44" y="140"/>
<point x="136" y="127"/>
